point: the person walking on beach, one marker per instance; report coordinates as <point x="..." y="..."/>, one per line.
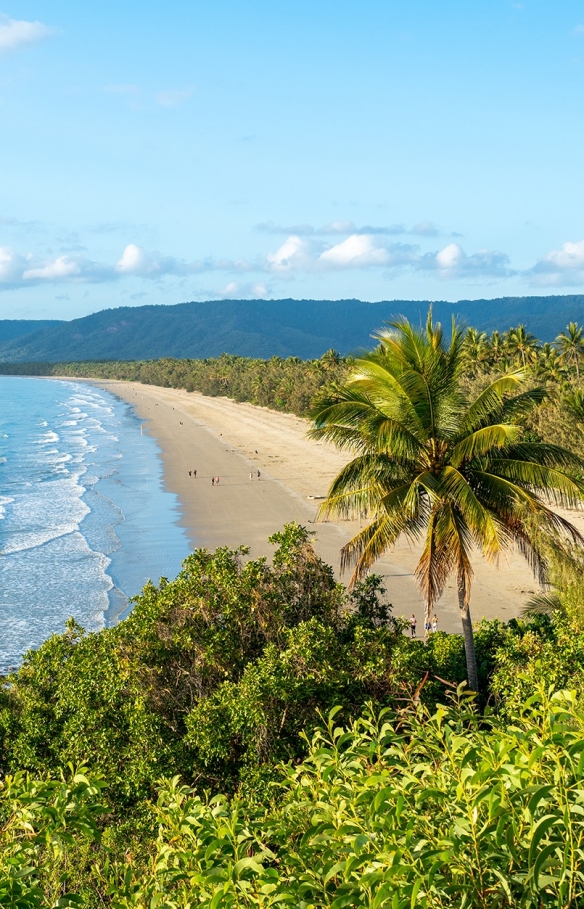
<point x="212" y="481"/>
<point x="190" y="473"/>
<point x="251" y="475"/>
<point x="413" y="621"/>
<point x="216" y="481"/>
<point x="195" y="474"/>
<point x="259" y="474"/>
<point x="434" y="623"/>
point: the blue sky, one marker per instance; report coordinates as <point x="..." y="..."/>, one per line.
<point x="156" y="153"/>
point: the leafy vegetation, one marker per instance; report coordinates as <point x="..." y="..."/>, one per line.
<point x="209" y="786"/>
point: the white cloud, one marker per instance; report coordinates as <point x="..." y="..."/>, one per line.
<point x="425" y="229"/>
<point x="564" y="266"/>
<point x="236" y="291"/>
<point x="17" y="32"/>
<point x="134" y="261"/>
<point x="357" y="251"/>
<point x="63" y="267"/>
<point x="450" y="257"/>
<point x="333" y="228"/>
<point x="294" y="254"/>
<point x="452" y="262"/>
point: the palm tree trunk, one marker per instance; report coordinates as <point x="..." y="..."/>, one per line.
<point x="469" y="647"/>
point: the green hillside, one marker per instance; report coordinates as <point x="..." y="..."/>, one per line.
<point x="17" y="328"/>
<point x="265" y="328"/>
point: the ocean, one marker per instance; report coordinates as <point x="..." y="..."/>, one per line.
<point x="85" y="520"/>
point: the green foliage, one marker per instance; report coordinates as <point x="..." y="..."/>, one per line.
<point x="217" y="681"/>
<point x="282" y="384"/>
<point x="429" y="810"/>
<point x="44" y="823"/>
<point x="542" y="651"/>
<point x="226" y="637"/>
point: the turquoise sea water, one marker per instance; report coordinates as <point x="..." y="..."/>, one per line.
<point x="84" y="517"/>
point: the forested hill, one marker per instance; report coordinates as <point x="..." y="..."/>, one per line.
<point x="17" y="328"/>
<point x="265" y="328"/>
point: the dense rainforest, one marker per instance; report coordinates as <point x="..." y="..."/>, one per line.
<point x="254" y="734"/>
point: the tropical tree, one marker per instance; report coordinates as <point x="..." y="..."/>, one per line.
<point x="476" y="349"/>
<point x="521" y="344"/>
<point x="571" y="345"/>
<point x="550" y="364"/>
<point x="497" y="350"/>
<point x="437" y="467"/>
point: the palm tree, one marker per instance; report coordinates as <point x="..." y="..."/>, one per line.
<point x="476" y="348"/>
<point x="434" y="466"/>
<point x="521" y="344"/>
<point x="496" y="347"/>
<point x="549" y="365"/>
<point x="571" y="345"/>
<point x="330" y="358"/>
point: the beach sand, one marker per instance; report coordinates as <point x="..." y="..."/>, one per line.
<point x="219" y="437"/>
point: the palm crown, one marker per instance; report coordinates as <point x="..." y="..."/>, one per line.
<point x="436" y="466"/>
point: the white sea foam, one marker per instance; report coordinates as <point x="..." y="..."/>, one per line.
<point x="74" y="540"/>
<point x="48" y="437"/>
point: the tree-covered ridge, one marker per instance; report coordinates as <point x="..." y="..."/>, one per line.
<point x="266" y="328"/>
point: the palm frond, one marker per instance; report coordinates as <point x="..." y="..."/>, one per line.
<point x="367" y="546"/>
<point x="546" y="454"/>
<point x="480" y="521"/>
<point x="542" y="604"/>
<point x="490" y="400"/>
<point x="482" y="441"/>
<point x="563" y="489"/>
<point x="437" y="558"/>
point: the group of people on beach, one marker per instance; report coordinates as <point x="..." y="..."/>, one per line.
<point x="215" y="480"/>
<point x="430" y="625"/>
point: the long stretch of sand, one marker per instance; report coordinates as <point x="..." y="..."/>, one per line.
<point x="219" y="437"/>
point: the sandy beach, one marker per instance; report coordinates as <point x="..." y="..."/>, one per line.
<point x="219" y="437"/>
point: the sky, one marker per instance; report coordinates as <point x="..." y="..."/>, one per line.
<point x="165" y="152"/>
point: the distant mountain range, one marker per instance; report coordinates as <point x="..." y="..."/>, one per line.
<point x="261" y="328"/>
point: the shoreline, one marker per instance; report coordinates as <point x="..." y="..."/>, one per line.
<point x="220" y="437"/>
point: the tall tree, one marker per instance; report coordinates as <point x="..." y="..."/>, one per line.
<point x="521" y="344"/>
<point x="439" y="468"/>
<point x="571" y="345"/>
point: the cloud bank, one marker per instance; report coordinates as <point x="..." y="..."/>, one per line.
<point x="298" y="255"/>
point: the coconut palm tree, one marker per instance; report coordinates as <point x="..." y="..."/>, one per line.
<point x="476" y="349"/>
<point x="521" y="344"/>
<point x="571" y="345"/>
<point x="439" y="468"/>
<point x="549" y="366"/>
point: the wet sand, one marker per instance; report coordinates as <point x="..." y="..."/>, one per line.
<point x="219" y="437"/>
